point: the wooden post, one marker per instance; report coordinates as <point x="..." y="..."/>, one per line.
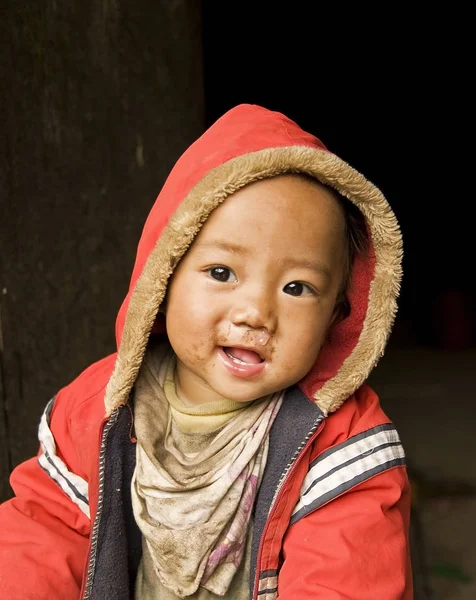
<point x="99" y="98"/>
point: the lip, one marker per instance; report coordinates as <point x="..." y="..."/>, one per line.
<point x="244" y="371"/>
<point x="259" y="350"/>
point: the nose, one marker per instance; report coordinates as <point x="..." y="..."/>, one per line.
<point x="254" y="309"/>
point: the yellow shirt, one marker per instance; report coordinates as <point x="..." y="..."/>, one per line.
<point x="201" y="418"/>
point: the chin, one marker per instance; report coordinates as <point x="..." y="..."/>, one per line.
<point x="244" y="396"/>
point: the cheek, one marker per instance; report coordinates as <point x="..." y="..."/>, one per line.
<point x="305" y="337"/>
<point x="183" y="336"/>
<point x="183" y="307"/>
<point x="304" y="353"/>
<point x="298" y="361"/>
<point x="189" y="321"/>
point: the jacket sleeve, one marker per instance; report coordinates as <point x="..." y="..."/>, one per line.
<point x="44" y="529"/>
<point x="355" y="547"/>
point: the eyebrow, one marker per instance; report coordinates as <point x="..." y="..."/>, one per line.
<point x="310" y="265"/>
<point x="223" y="245"/>
<point x="227" y="246"/>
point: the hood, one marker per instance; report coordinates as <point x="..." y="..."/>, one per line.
<point x="248" y="143"/>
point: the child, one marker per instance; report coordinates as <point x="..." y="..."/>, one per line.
<point x="231" y="447"/>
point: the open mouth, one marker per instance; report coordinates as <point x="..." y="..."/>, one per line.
<point x="241" y="356"/>
<point x="242" y="362"/>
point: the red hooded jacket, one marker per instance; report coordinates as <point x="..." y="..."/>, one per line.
<point x="332" y="515"/>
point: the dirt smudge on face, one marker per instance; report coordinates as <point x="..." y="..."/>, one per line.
<point x="195" y="355"/>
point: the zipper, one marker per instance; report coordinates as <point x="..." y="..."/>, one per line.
<point x="313" y="433"/>
<point x="94" y="534"/>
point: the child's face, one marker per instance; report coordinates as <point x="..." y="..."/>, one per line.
<point x="251" y="301"/>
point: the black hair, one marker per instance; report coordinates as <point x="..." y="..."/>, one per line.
<point x="357" y="241"/>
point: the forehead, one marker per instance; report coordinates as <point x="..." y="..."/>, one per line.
<point x="285" y="205"/>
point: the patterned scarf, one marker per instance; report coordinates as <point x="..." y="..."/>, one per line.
<point x="193" y="509"/>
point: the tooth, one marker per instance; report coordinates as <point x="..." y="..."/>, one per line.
<point x="236" y="360"/>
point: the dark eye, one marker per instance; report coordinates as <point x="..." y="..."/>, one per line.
<point x="222" y="274"/>
<point x="296" y="288"/>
